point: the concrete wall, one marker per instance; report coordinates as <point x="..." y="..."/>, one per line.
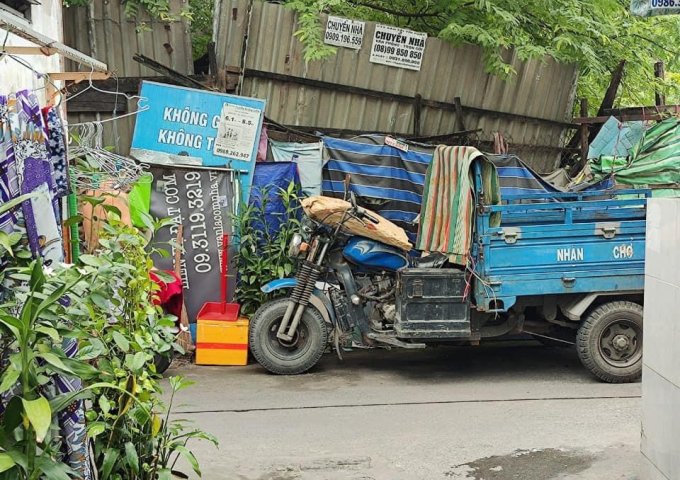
<point x="661" y="361"/>
<point x="46" y="18"/>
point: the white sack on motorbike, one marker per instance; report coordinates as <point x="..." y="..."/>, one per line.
<point x="331" y="210"/>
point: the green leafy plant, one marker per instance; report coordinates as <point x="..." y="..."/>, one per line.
<point x="170" y="437"/>
<point x="127" y="331"/>
<point x="33" y="327"/>
<point x="263" y="251"/>
<point x="154" y="441"/>
<point x="31" y="334"/>
<point x="106" y="303"/>
<point x="201" y="26"/>
<point x="156" y="9"/>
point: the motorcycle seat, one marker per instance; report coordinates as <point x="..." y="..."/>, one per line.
<point x="432" y="260"/>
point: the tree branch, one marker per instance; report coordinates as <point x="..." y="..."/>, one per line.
<point x="656" y="44"/>
<point x="396" y="13"/>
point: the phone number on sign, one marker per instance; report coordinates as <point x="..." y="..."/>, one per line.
<point x="664" y="3"/>
<point x="197" y="230"/>
<point x="232" y="153"/>
<point x="401" y="52"/>
<point x="336" y="37"/>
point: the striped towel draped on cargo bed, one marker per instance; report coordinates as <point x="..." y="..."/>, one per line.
<point x="447" y="211"/>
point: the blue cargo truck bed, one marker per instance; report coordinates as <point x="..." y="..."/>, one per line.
<point x="559" y="244"/>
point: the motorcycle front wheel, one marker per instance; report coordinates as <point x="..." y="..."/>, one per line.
<point x="282" y="357"/>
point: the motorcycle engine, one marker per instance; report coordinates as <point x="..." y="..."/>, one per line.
<point x="377" y="292"/>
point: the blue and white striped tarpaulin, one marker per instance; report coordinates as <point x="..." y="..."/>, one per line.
<point x="378" y="171"/>
<point x="395" y="177"/>
<point x="517" y="178"/>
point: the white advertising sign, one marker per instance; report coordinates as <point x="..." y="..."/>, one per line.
<point x="398" y="47"/>
<point x="343" y="32"/>
<point x="237" y="131"/>
<point x="649" y="8"/>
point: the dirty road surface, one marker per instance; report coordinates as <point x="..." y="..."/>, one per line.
<point x="499" y="412"/>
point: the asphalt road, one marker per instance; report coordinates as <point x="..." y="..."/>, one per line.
<point x="497" y="412"/>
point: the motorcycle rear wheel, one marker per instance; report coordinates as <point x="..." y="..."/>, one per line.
<point x="287" y="358"/>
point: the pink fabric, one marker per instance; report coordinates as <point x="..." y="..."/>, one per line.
<point x="262" y="147"/>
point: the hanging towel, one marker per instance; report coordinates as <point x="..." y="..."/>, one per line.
<point x="9" y="182"/>
<point x="34" y="174"/>
<point x="447" y="211"/>
<point x="262" y="146"/>
<point x="56" y="150"/>
<point x="308" y="158"/>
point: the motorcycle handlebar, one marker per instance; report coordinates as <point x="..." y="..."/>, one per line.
<point x="362" y="213"/>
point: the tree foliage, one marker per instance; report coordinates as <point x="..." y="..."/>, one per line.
<point x="595" y="34"/>
<point x="201" y="25"/>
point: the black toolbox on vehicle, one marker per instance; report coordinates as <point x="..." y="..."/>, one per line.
<point x="431" y="304"/>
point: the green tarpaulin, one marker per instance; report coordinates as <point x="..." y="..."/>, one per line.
<point x="653" y="162"/>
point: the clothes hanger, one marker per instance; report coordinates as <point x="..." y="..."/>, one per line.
<point x="92" y="86"/>
<point x="139" y="107"/>
<point x="99" y="168"/>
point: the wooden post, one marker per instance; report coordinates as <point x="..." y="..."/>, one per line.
<point x="417" y="106"/>
<point x="659" y="72"/>
<point x="584" y="131"/>
<point x="612" y="89"/>
<point x="460" y="121"/>
<point x="607" y="103"/>
<point x="212" y="59"/>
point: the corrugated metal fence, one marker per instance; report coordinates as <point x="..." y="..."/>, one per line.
<point x="103" y="31"/>
<point x="530" y="110"/>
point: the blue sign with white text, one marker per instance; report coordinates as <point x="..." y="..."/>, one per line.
<point x="185" y="126"/>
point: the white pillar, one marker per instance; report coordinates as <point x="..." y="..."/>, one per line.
<point x="661" y="357"/>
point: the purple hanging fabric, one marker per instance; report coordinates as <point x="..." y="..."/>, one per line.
<point x="72" y="418"/>
<point x="26" y="166"/>
<point x="34" y="174"/>
<point x="56" y="150"/>
<point x="9" y="183"/>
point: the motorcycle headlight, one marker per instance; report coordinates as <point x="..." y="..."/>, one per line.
<point x="295" y="245"/>
<point x="307" y="225"/>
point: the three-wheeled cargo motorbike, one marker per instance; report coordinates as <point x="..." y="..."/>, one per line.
<point x="567" y="268"/>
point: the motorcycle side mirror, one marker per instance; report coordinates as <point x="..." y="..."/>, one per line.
<point x="353" y="200"/>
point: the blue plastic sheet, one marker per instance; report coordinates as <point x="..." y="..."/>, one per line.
<point x="268" y="180"/>
<point x="308" y="158"/>
<point x="616" y="139"/>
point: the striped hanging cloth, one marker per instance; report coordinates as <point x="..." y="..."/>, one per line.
<point x="447" y="211"/>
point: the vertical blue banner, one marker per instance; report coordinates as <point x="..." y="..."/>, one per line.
<point x="186" y="126"/>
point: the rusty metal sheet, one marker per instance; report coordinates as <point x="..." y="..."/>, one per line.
<point x="102" y="30"/>
<point x="542" y="89"/>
